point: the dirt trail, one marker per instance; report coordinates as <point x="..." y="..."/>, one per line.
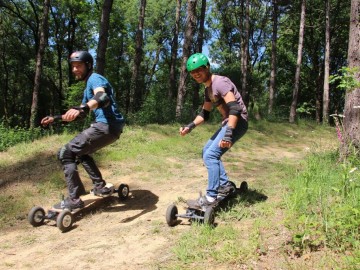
<point x="125" y="235"/>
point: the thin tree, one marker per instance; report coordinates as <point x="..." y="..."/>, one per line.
<point x="188" y="40"/>
<point x="59" y="52"/>
<point x="352" y="97"/>
<point x="272" y="85"/>
<point x="244" y="52"/>
<point x="199" y="45"/>
<point x="326" y="100"/>
<point x="298" y="63"/>
<point x="43" y="36"/>
<point x="136" y="91"/>
<point x="103" y="36"/>
<point x="174" y="49"/>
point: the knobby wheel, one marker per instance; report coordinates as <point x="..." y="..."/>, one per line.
<point x="171" y="215"/>
<point x="244" y="187"/>
<point x="36" y="216"/>
<point x="123" y="191"/>
<point x="209" y="216"/>
<point x="64" y="220"/>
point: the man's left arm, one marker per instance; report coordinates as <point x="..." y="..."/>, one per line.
<point x="234" y="113"/>
<point x="100" y="99"/>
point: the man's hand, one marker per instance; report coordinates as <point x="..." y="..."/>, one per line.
<point x="47" y="120"/>
<point x="71" y="115"/>
<point x="226" y="142"/>
<point x="187" y="129"/>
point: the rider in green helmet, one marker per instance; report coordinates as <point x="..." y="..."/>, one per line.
<point x="197" y="60"/>
<point x="220" y="92"/>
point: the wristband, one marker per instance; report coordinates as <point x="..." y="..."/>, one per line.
<point x="57" y="117"/>
<point x="191" y="126"/>
<point x="84" y="110"/>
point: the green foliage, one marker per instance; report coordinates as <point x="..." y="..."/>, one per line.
<point x="12" y="136"/>
<point x="305" y="109"/>
<point x="74" y="94"/>
<point x="346" y="80"/>
<point x="324" y="205"/>
<point x="156" y="109"/>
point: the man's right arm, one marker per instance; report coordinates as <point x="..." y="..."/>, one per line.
<point x="199" y="119"/>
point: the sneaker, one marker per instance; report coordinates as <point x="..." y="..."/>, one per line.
<point x="70" y="204"/>
<point x="202" y="202"/>
<point x="226" y="189"/>
<point x="103" y="190"/>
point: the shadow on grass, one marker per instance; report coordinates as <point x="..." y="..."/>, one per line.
<point x="34" y="169"/>
<point x="142" y="200"/>
<point x="247" y="198"/>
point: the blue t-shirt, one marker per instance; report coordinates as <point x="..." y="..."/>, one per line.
<point x="109" y="114"/>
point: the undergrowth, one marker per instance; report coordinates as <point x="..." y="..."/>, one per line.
<point x="324" y="206"/>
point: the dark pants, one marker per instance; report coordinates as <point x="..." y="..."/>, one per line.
<point x="97" y="136"/>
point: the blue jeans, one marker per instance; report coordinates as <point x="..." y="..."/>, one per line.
<point x="212" y="154"/>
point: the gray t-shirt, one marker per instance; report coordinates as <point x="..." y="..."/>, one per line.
<point x="215" y="93"/>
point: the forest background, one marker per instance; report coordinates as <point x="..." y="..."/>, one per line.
<point x="282" y="55"/>
<point x="141" y="47"/>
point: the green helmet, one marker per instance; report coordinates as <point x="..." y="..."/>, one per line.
<point x="196" y="60"/>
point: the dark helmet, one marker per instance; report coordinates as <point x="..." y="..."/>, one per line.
<point x="82" y="56"/>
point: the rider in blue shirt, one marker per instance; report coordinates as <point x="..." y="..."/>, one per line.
<point x="109" y="122"/>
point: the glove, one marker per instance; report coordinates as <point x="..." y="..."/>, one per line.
<point x="228" y="134"/>
<point x="187" y="129"/>
<point x="190" y="126"/>
<point x="83" y="109"/>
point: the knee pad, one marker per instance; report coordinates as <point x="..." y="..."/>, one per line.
<point x="65" y="155"/>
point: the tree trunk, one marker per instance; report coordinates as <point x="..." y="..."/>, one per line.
<point x="5" y="83"/>
<point x="189" y="34"/>
<point x="103" y="36"/>
<point x="59" y="58"/>
<point x="174" y="49"/>
<point x="272" y="86"/>
<point x="352" y="98"/>
<point x="326" y="64"/>
<point x="70" y="45"/>
<point x="317" y="67"/>
<point x="298" y="64"/>
<point x="43" y="34"/>
<point x="319" y="87"/>
<point x="136" y="91"/>
<point x="199" y="45"/>
<point x="244" y="54"/>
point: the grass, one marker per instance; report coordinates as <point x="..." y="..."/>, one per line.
<point x="324" y="199"/>
<point x="316" y="200"/>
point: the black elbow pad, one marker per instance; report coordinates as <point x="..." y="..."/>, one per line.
<point x="234" y="108"/>
<point x="102" y="99"/>
<point x="204" y="114"/>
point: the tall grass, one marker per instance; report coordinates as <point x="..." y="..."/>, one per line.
<point x="324" y="206"/>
